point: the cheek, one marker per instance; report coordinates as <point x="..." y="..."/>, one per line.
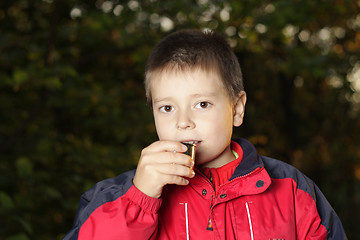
<point x="163" y="135"/>
<point x="162" y="129"/>
<point x="221" y="121"/>
<point x="219" y="129"/>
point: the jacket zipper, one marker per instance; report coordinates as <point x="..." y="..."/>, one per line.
<point x="250" y="173"/>
<point x="206" y="180"/>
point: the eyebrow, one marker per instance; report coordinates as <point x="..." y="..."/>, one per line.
<point x="195" y="95"/>
<point x="156" y="100"/>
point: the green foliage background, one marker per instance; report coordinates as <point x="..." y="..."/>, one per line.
<point x="73" y="112"/>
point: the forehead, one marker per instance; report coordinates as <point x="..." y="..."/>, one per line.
<point x="188" y="77"/>
<point x="181" y="85"/>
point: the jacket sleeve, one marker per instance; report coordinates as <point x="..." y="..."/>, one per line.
<point x="115" y="209"/>
<point x="316" y="219"/>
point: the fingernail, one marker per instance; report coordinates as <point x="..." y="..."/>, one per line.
<point x="192" y="173"/>
<point x="184" y="147"/>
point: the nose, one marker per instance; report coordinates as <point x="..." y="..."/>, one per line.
<point x="185" y="121"/>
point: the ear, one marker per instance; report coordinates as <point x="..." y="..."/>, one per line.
<point x="239" y="109"/>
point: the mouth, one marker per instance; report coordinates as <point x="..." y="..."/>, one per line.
<point x="192" y="142"/>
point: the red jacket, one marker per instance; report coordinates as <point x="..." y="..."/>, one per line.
<point x="264" y="199"/>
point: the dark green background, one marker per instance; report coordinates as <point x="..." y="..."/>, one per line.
<point x="73" y="112"/>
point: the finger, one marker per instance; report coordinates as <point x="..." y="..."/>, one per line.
<point x="177" y="180"/>
<point x="173" y="157"/>
<point x="176" y="170"/>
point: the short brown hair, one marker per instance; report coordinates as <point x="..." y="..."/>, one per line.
<point x="189" y="49"/>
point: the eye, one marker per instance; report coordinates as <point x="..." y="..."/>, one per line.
<point x="166" y="108"/>
<point x="203" y="105"/>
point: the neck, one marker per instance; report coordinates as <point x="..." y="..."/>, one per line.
<point x="224" y="158"/>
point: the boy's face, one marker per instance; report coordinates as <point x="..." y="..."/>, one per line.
<point x="193" y="106"/>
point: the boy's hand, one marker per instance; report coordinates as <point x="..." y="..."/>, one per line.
<point x="161" y="163"/>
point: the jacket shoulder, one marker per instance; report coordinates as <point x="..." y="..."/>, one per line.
<point x="113" y="187"/>
<point x="102" y="192"/>
<point x="280" y="170"/>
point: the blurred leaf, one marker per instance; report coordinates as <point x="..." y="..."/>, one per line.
<point x="6" y="201"/>
<point x="53" y="82"/>
<point x="20" y="76"/>
<point x="24" y="166"/>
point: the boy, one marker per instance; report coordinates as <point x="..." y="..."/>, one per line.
<point x="194" y="86"/>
